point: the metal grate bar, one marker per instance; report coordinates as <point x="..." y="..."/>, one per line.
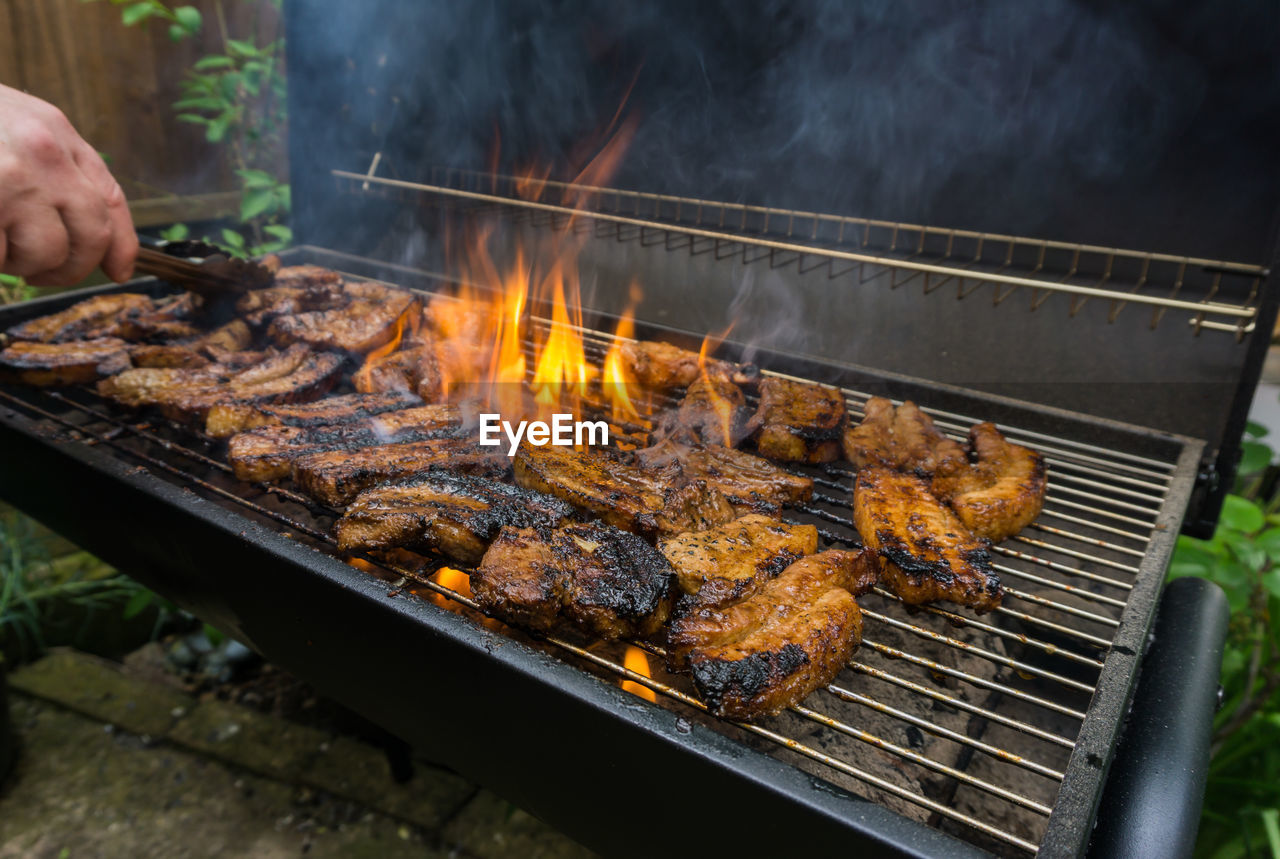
<point x="1101" y="544"/>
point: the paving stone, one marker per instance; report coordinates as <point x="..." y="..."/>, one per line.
<point x="258" y="742"/>
<point x="79" y="790"/>
<point x="492" y="828"/>
<point x="98" y="688"/>
<point x="355" y="770"/>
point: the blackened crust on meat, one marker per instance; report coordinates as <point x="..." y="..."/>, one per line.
<point x="720" y="681"/>
<point x="74" y="362"/>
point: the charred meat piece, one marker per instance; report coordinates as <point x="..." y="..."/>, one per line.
<point x="147" y="386"/>
<point x="730" y="562"/>
<point x="88" y="319"/>
<point x="713" y="412"/>
<point x="1001" y="492"/>
<point x="454" y="514"/>
<point x="336" y="477"/>
<point x="799" y="421"/>
<point x="76" y="362"/>
<point x="752" y="484"/>
<point x="291" y="294"/>
<point x="367" y="318"/>
<point x="927" y="553"/>
<point x="227" y="419"/>
<point x="267" y="453"/>
<point x="414" y="368"/>
<point x="768" y="652"/>
<point x="307" y="379"/>
<point x="904" y="438"/>
<point x="660" y="366"/>
<point x="164" y="319"/>
<point x="194" y="352"/>
<point x="304" y="276"/>
<point x="649" y="503"/>
<point x="606" y="582"/>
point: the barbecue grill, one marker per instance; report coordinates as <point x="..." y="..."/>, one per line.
<point x="949" y="733"/>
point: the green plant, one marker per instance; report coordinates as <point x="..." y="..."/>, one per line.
<point x="1242" y="804"/>
<point x="14" y="289"/>
<point x="238" y="97"/>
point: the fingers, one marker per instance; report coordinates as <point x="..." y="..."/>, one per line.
<point x="37" y="243"/>
<point x="122" y="246"/>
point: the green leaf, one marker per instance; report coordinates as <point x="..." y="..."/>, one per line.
<point x="257" y="178"/>
<point x="1248" y="552"/>
<point x="1253" y="429"/>
<point x="217" y="128"/>
<point x="213" y="62"/>
<point x="194" y="118"/>
<point x="256" y="201"/>
<point x="1241" y="514"/>
<point x="176" y="33"/>
<point x="137" y="13"/>
<point x="1179" y="569"/>
<point x="1271" y="581"/>
<point x="1269" y="542"/>
<point x="139" y="601"/>
<point x="233" y="239"/>
<point x="206" y="102"/>
<point x="242" y="49"/>
<point x="189" y="18"/>
<point x="280" y="231"/>
<point x="175" y="233"/>
<point x="1254" y="457"/>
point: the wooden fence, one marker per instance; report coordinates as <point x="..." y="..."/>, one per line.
<point x="117" y="85"/>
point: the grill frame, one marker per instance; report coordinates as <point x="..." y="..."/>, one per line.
<point x="742" y="780"/>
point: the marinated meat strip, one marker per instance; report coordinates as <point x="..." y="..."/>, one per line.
<point x="1001" y="492"/>
<point x="227" y="419"/>
<point x="336" y="477"/>
<point x="752" y="484"/>
<point x="82" y="321"/>
<point x="904" y="438"/>
<point x="927" y="553"/>
<point x="164" y="319"/>
<point x="291" y="294"/>
<point x="35" y="363"/>
<point x="730" y="562"/>
<point x="454" y="514"/>
<point x="414" y="368"/>
<point x="768" y="652"/>
<point x="267" y="453"/>
<point x="366" y="319"/>
<point x="606" y="582"/>
<point x="304" y="276"/>
<point x="310" y="378"/>
<point x="713" y="412"/>
<point x="799" y="421"/>
<point x="194" y="352"/>
<point x="661" y="367"/>
<point x="646" y="502"/>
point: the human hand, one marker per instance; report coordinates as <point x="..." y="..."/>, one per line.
<point x="61" y="212"/>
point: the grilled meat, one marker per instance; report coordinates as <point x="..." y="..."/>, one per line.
<point x="649" y="503"/>
<point x="1001" y="492"/>
<point x="336" y="477"/>
<point x="227" y="419"/>
<point x="606" y="582"/>
<point x="903" y="438"/>
<point x="713" y="412"/>
<point x="660" y="366"/>
<point x="304" y="276"/>
<point x="163" y="319"/>
<point x="267" y="382"/>
<point x="35" y="363"/>
<point x="196" y="351"/>
<point x="365" y="320"/>
<point x="768" y="652"/>
<point x="752" y="484"/>
<point x="291" y="294"/>
<point x="456" y="515"/>
<point x="267" y="453"/>
<point x="731" y="561"/>
<point x="88" y="319"/>
<point x="799" y="421"/>
<point x="927" y="553"/>
<point x="414" y="368"/>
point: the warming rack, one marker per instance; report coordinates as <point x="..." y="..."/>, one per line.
<point x="1033" y="679"/>
<point x="1215" y="295"/>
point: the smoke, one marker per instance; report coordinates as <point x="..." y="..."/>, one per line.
<point x="976" y="115"/>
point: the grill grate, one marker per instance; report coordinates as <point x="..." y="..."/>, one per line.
<point x="963" y="722"/>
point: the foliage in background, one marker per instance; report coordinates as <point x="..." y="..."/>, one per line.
<point x="1242" y="803"/>
<point x="13" y="289"/>
<point x="238" y="97"/>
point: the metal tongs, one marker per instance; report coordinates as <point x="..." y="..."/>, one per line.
<point x="200" y="267"/>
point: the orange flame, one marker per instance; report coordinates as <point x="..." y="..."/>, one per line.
<point x="455" y="580"/>
<point x="637" y="660"/>
<point x="363" y="378"/>
<point x="617" y="380"/>
<point x="722" y="407"/>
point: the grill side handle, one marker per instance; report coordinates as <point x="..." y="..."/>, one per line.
<point x="1155" y="789"/>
